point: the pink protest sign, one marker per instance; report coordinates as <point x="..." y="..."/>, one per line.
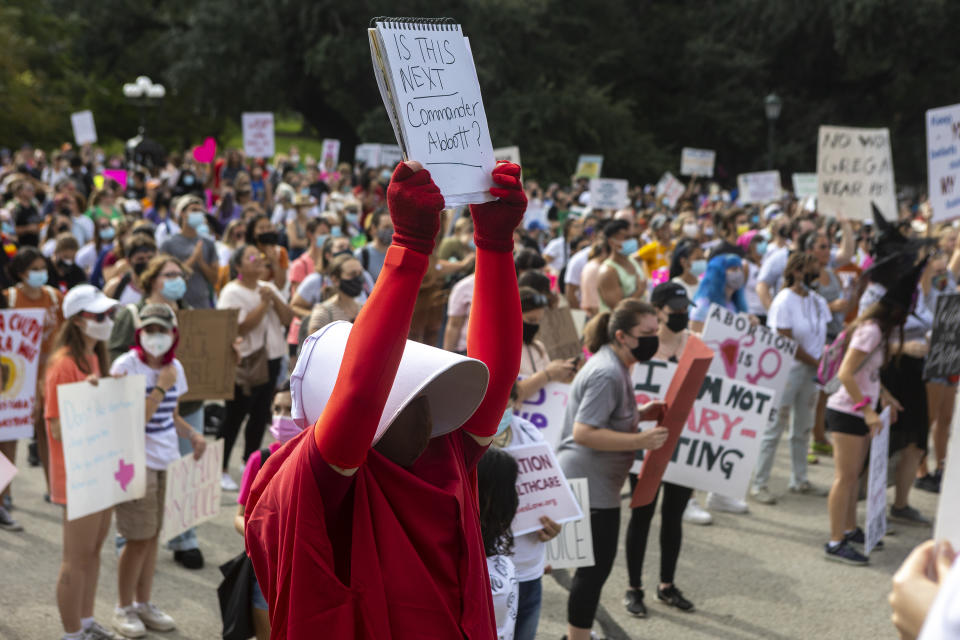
<point x="21" y="333"/>
<point x="118" y="175"/>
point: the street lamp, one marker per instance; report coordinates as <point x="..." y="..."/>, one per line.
<point x="772" y="105"/>
<point x="143" y="93"/>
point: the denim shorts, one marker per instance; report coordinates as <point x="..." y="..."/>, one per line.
<point x="256" y="597"/>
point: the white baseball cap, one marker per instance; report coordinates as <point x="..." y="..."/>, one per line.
<point x="86" y="297"/>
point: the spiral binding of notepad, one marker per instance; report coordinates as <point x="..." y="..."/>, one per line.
<point x="424" y="24"/>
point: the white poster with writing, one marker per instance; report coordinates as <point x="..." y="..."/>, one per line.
<point x="104" y="454"/>
<point x="84" y="129"/>
<point x="804" y="185"/>
<point x="670" y="189"/>
<point x="192" y="491"/>
<point x="697" y="162"/>
<point x="759" y="187"/>
<point x="546" y="409"/>
<point x="21" y="333"/>
<point x="510" y="154"/>
<point x="855" y="169"/>
<point x="877" y="485"/>
<point x="947" y="526"/>
<point x="943" y="162"/>
<point x="368" y="154"/>
<point x="608" y="193"/>
<point x="574" y="546"/>
<point x="542" y="489"/>
<point x="258" y="138"/>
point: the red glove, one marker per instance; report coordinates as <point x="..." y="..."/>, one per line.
<point x="415" y="203"/>
<point x="494" y="222"/>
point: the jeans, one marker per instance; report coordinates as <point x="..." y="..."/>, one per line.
<point x="188" y="539"/>
<point x="528" y="610"/>
<point x="588" y="581"/>
<point x="798" y="405"/>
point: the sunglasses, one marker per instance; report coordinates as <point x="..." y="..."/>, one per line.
<point x="100" y="317"/>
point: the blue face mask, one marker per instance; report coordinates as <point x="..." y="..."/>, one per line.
<point x="697" y="267"/>
<point x="37" y="279"/>
<point x="174" y="288"/>
<point x="352" y="218"/>
<point x="762" y="247"/>
<point x="321" y="240"/>
<point x="336" y="232"/>
<point x="385" y="175"/>
<point x="505" y="421"/>
<point x="196" y="219"/>
<point x="203" y="230"/>
<point x="8" y="228"/>
<point x="629" y="246"/>
<point x="107" y="233"/>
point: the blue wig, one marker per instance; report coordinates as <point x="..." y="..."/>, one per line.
<point x="714" y="282"/>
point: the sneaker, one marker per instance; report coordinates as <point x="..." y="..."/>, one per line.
<point x="190" y="558"/>
<point x="227" y="483"/>
<point x="843" y="552"/>
<point x="33" y="459"/>
<point x="909" y="515"/>
<point x="633" y="601"/>
<point x="930" y="482"/>
<point x="7" y="522"/>
<point x="128" y="623"/>
<point x="762" y="495"/>
<point x="8" y="502"/>
<point x="812" y="458"/>
<point x="154" y="618"/>
<point x="672" y="596"/>
<point x="97" y="632"/>
<point x="823" y="448"/>
<point x="695" y="515"/>
<point x="717" y="502"/>
<point x="857" y="536"/>
<point x="808" y="489"/>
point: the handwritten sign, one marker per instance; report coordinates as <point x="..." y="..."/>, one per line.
<point x="206" y="352"/>
<point x="258" y="138"/>
<point x="759" y="187"/>
<point x="542" y="489"/>
<point x="546" y="410"/>
<point x="192" y="491"/>
<point x="84" y="130"/>
<point x="510" y="154"/>
<point x="855" y="168"/>
<point x="749" y="353"/>
<point x="697" y="162"/>
<point x="103" y="443"/>
<point x="21" y="332"/>
<point x="574" y="546"/>
<point x="877" y="485"/>
<point x="944" y="357"/>
<point x="804" y="185"/>
<point x="943" y="162"/>
<point x="948" y="516"/>
<point x="330" y="154"/>
<point x="588" y="166"/>
<point x="670" y="189"/>
<point x="7" y="471"/>
<point x="608" y="193"/>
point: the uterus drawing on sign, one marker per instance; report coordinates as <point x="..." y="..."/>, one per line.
<point x="733" y="357"/>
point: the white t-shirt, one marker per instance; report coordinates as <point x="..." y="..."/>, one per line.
<point x="165" y="230"/>
<point x="557" y="252"/>
<point x="86" y="257"/>
<point x="750" y="290"/>
<point x="773" y="266"/>
<point x="575" y="267"/>
<point x="162" y="445"/>
<point x="506" y="594"/>
<point x="806" y="316"/>
<point x="270" y="331"/>
<point x="529" y="554"/>
<point x="83" y="229"/>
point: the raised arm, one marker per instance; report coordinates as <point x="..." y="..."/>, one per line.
<point x="349" y="421"/>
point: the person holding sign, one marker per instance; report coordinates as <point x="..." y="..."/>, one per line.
<point x="722" y="284"/>
<point x="140" y="521"/>
<point x="535" y="367"/>
<point x="600" y="439"/>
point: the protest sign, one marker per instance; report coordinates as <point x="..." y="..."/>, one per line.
<point x="877" y="485"/>
<point x="104" y="455"/>
<point x="608" y="193"/>
<point x="670" y="189"/>
<point x="558" y="334"/>
<point x="206" y="352"/>
<point x="855" y="168"/>
<point x="192" y="493"/>
<point x="510" y="154"/>
<point x="258" y="137"/>
<point x="546" y="409"/>
<point x="330" y="154"/>
<point x="804" y="185"/>
<point x="697" y="162"/>
<point x="759" y="187"/>
<point x="367" y="154"/>
<point x="84" y="130"/>
<point x="943" y="162"/>
<point x="390" y="155"/>
<point x="588" y="166"/>
<point x="117" y="175"/>
<point x="21" y="332"/>
<point x="747" y="352"/>
<point x="7" y="471"/>
<point x="579" y="320"/>
<point x="574" y="546"/>
<point x="944" y="357"/>
<point x="542" y="489"/>
<point x="948" y="516"/>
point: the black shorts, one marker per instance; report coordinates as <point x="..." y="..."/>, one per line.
<point x="841" y="422"/>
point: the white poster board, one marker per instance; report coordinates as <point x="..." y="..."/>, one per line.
<point x="947" y="526"/>
<point x="103" y="443"/>
<point x="877" y="485"/>
<point x="7" y="471"/>
<point x="21" y="334"/>
<point x="510" y="154"/>
<point x="589" y="166"/>
<point x="390" y="155"/>
<point x="854" y="169"/>
<point x="258" y="138"/>
<point x="804" y="185"/>
<point x="574" y="546"/>
<point x="608" y="193"/>
<point x="759" y="187"/>
<point x="368" y="153"/>
<point x="330" y="154"/>
<point x="545" y="410"/>
<point x="670" y="189"/>
<point x="542" y="489"/>
<point x="943" y="162"/>
<point x="697" y="162"/>
<point x="192" y="491"/>
<point x="84" y="130"/>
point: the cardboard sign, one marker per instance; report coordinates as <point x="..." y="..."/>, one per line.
<point x="607" y="193"/>
<point x="804" y="185"/>
<point x="574" y="546"/>
<point x="697" y="162"/>
<point x="559" y="334"/>
<point x="546" y="410"/>
<point x="750" y="353"/>
<point x="855" y="168"/>
<point x="877" y="485"/>
<point x="759" y="187"/>
<point x="947" y="526"/>
<point x="943" y="162"/>
<point x="670" y="189"/>
<point x="258" y="137"/>
<point x="84" y="130"/>
<point x="206" y="352"/>
<point x="192" y="491"/>
<point x="103" y="443"/>
<point x="330" y="154"/>
<point x="718" y="448"/>
<point x="542" y="489"/>
<point x="588" y="166"/>
<point x="510" y="154"/>
<point x="21" y="333"/>
<point x="7" y="471"/>
<point x="944" y="357"/>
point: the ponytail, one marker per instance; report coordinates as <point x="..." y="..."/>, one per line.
<point x="595" y="333"/>
<point x="604" y="326"/>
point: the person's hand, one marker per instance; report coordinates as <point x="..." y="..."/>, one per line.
<point x="93" y="379"/>
<point x="54" y="426"/>
<point x="916" y="583"/>
<point x="494" y="222"/>
<point x="167" y="377"/>
<point x="266" y="294"/>
<point x="872" y="418"/>
<point x="754" y="320"/>
<point x="652" y="438"/>
<point x="887" y="400"/>
<point x="652" y="411"/>
<point x="415" y="203"/>
<point x="561" y="370"/>
<point x="916" y="348"/>
<point x="550" y="529"/>
<point x="199" y="445"/>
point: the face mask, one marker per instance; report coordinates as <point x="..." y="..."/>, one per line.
<point x="139" y="267"/>
<point x="708" y="231"/>
<point x="505" y="421"/>
<point x="99" y="330"/>
<point x="336" y="232"/>
<point x="66" y="263"/>
<point x="8" y="228"/>
<point x="174" y="288"/>
<point x="810" y="280"/>
<point x="529" y="331"/>
<point x="698" y="267"/>
<point x="385" y="236"/>
<point x="735" y="279"/>
<point x="64" y="228"/>
<point x="156" y="344"/>
<point x="690" y="230"/>
<point x="352" y="218"/>
<point x="762" y="247"/>
<point x="283" y="428"/>
<point x="188" y="180"/>
<point x="677" y="322"/>
<point x="385" y="176"/>
<point x="353" y="287"/>
<point x="196" y="219"/>
<point x="629" y="246"/>
<point x="471" y="244"/>
<point x="646" y="348"/>
<point x="270" y="237"/>
<point x="37" y="279"/>
<point x="320" y="241"/>
<point x="107" y="233"/>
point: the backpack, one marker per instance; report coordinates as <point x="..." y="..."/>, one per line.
<point x="830" y="362"/>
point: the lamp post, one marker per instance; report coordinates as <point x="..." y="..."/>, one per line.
<point x="143" y="93"/>
<point x="772" y="105"/>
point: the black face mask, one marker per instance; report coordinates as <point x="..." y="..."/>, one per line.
<point x="811" y="280"/>
<point x="529" y="331"/>
<point x="139" y="267"/>
<point x="646" y="348"/>
<point x="29" y="239"/>
<point x="352" y="287"/>
<point x="270" y="237"/>
<point x="677" y="322"/>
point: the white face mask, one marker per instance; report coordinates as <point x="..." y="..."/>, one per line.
<point x="156" y="344"/>
<point x="690" y="230"/>
<point x="99" y="330"/>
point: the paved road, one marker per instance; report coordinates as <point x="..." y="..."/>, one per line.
<point x="760" y="576"/>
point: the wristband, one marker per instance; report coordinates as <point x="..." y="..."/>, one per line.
<point x="866" y="402"/>
<point x="161" y="390"/>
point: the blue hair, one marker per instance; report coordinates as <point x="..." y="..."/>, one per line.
<point x="714" y="282"/>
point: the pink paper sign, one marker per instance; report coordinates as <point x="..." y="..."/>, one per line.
<point x="119" y="175"/>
